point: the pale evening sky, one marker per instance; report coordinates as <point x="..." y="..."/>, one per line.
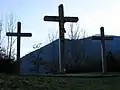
<point x="92" y="15"/>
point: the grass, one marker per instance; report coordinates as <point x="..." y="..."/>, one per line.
<point x="11" y="82"/>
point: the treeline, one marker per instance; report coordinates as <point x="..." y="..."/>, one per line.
<point x="8" y="65"/>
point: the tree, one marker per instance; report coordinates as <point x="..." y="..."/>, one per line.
<point x="52" y="36"/>
<point x="74" y="33"/>
<point x="77" y="53"/>
<point x="37" y="60"/>
<point x="53" y="64"/>
<point x="10" y="28"/>
<point x="6" y="63"/>
<point x="1" y="28"/>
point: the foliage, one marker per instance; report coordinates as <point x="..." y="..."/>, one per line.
<point x="57" y="83"/>
<point x="6" y="65"/>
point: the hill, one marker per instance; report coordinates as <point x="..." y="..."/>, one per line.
<point x="82" y="52"/>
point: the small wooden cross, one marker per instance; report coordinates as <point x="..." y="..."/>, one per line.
<point x="18" y="34"/>
<point x="103" y="38"/>
<point x="61" y="19"/>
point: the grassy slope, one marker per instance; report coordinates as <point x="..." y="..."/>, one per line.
<point x="57" y="83"/>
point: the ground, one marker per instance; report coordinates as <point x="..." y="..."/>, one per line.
<point x="12" y="82"/>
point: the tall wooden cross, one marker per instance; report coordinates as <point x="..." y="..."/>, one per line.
<point x="18" y="34"/>
<point x="61" y="19"/>
<point x="103" y="38"/>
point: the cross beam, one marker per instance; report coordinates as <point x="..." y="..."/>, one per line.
<point x="21" y="34"/>
<point x="56" y="19"/>
<point x="61" y="19"/>
<point x="102" y="38"/>
<point x="18" y="34"/>
<point x="99" y="38"/>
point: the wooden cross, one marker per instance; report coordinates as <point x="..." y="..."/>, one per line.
<point x="103" y="38"/>
<point x="18" y="34"/>
<point x="61" y="19"/>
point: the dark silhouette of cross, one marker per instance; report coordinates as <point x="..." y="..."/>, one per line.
<point x="19" y="35"/>
<point x="103" y="38"/>
<point x="61" y="19"/>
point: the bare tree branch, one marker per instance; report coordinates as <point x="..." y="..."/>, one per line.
<point x="52" y="36"/>
<point x="73" y="34"/>
<point x="10" y="27"/>
<point x="77" y="54"/>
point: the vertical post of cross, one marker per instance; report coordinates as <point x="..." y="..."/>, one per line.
<point x="103" y="49"/>
<point x="61" y="39"/>
<point x="102" y="37"/>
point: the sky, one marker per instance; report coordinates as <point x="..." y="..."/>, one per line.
<point x="92" y="15"/>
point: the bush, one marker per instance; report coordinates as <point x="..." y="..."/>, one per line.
<point x="6" y="65"/>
